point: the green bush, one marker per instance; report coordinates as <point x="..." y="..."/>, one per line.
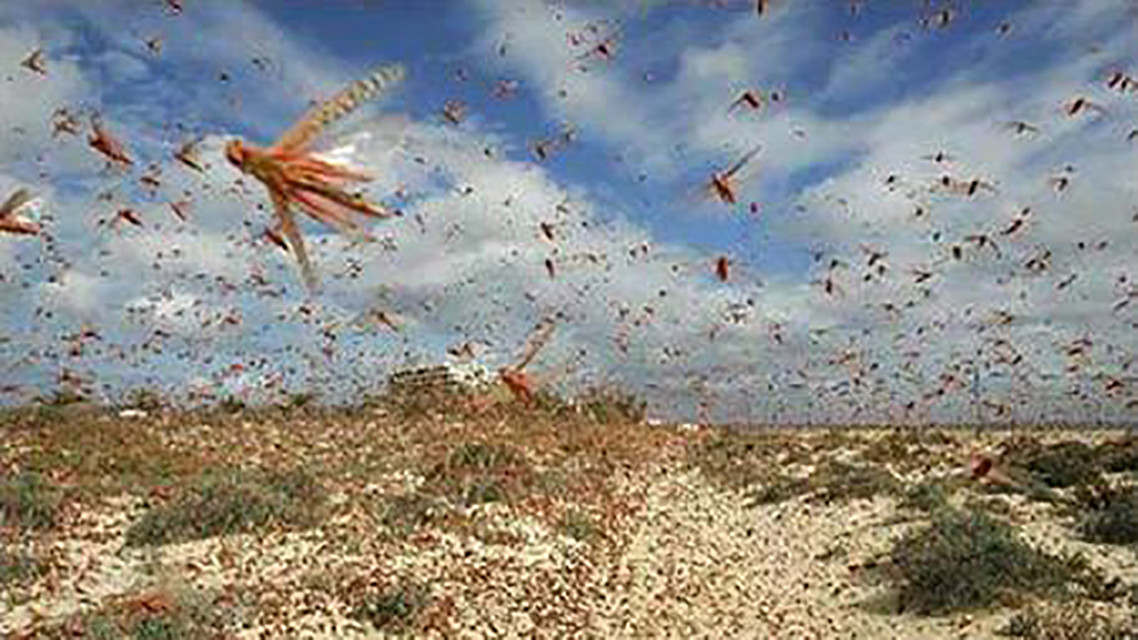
<point x="476" y="473"/>
<point x="1109" y="515"/>
<point x="967" y="560"/>
<point x="28" y="502"/>
<point x="230" y="502"/>
<point x="394" y="609"/>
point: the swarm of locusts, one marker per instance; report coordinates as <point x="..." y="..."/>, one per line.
<point x="293" y="174"/>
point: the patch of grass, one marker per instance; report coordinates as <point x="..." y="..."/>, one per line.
<point x="230" y="502"/>
<point x="1109" y="515"/>
<point x="476" y="473"/>
<point x="779" y="488"/>
<point x="231" y="405"/>
<point x="1064" y="464"/>
<point x="395" y="609"/>
<point x="404" y="514"/>
<point x="967" y="560"/>
<point x="578" y="525"/>
<point x="1072" y="620"/>
<point x="145" y="399"/>
<point x="738" y="461"/>
<point x="837" y="481"/>
<point x="929" y="496"/>
<point x="608" y="404"/>
<point x="1119" y="455"/>
<point x="161" y="615"/>
<point x="62" y="398"/>
<point x="27" y="502"/>
<point x="18" y="567"/>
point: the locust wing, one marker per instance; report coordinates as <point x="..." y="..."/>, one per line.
<point x="309" y="127"/>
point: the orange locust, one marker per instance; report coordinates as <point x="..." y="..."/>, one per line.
<point x="514" y="376"/>
<point x="9" y="223"/>
<point x="720" y="184"/>
<point x="107" y="144"/>
<point x="723" y="268"/>
<point x="294" y="175"/>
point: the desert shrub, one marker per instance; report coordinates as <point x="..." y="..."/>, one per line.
<point x="608" y="405"/>
<point x="28" y="502"/>
<point x="778" y="488"/>
<point x="394" y="609"/>
<point x="229" y="502"/>
<point x="62" y="397"/>
<point x="1109" y="515"/>
<point x="18" y="566"/>
<point x="231" y="404"/>
<point x="1071" y="620"/>
<point x="1064" y="464"/>
<point x="476" y="473"/>
<point x="145" y="399"/>
<point x="405" y="513"/>
<point x="1119" y="455"/>
<point x="734" y="460"/>
<point x="184" y="615"/>
<point x="837" y="481"/>
<point x="577" y="525"/>
<point x="929" y="496"/>
<point x="965" y="560"/>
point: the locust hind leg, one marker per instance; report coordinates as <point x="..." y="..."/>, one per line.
<point x="296" y="242"/>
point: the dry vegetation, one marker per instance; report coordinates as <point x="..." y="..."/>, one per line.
<point x="429" y="520"/>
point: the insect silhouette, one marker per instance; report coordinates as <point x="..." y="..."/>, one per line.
<point x="514" y="377"/>
<point x="721" y="186"/>
<point x="9" y="220"/>
<point x="294" y="175"/>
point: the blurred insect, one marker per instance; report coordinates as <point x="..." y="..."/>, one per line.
<point x="751" y="99"/>
<point x="126" y="215"/>
<point x="939" y="19"/>
<point x="505" y="89"/>
<point x="1019" y="127"/>
<point x="1017" y="222"/>
<point x="1121" y="82"/>
<point x="454" y="111"/>
<point x="981" y="240"/>
<point x="1080" y="104"/>
<point x="154" y="45"/>
<point x="762" y="7"/>
<point x="106" y="144"/>
<point x="514" y="376"/>
<point x="723" y="268"/>
<point x="35" y="62"/>
<point x="174" y="6"/>
<point x="603" y="50"/>
<point x="187" y="154"/>
<point x="294" y="175"/>
<point x="180" y="209"/>
<point x="9" y="212"/>
<point x="720" y="185"/>
<point x="547" y="230"/>
<point x="63" y="121"/>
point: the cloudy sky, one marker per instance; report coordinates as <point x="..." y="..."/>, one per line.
<point x="939" y="222"/>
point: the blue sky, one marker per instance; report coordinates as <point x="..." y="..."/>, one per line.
<point x="845" y="166"/>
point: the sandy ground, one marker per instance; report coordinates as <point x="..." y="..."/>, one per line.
<point x="683" y="558"/>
